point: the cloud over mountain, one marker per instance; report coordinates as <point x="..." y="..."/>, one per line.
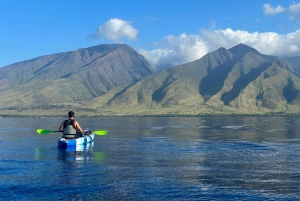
<point x="293" y="10"/>
<point x="115" y="29"/>
<point x="270" y="10"/>
<point x="184" y="48"/>
<point x="176" y="50"/>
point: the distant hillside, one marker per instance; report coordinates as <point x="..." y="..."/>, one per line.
<point x="235" y="80"/>
<point x="70" y="76"/>
<point x="116" y="80"/>
<point x="295" y="61"/>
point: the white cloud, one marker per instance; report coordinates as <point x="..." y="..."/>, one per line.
<point x="270" y="10"/>
<point x="114" y="30"/>
<point x="293" y="10"/>
<point x="174" y="50"/>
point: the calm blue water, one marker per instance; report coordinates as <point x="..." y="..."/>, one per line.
<point x="207" y="158"/>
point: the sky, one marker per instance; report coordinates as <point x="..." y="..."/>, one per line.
<point x="166" y="32"/>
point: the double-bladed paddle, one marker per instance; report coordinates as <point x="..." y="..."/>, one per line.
<point x="100" y="132"/>
<point x="44" y="131"/>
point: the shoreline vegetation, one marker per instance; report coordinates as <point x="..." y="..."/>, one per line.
<point x="82" y="114"/>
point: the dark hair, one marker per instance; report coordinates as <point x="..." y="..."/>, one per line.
<point x="71" y="114"/>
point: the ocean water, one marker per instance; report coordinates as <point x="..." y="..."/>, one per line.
<point x="154" y="158"/>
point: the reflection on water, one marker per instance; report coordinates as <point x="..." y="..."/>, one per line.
<point x="151" y="158"/>
<point x="80" y="154"/>
<point x="99" y="157"/>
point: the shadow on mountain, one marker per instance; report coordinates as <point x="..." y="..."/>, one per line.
<point x="43" y="67"/>
<point x="67" y="75"/>
<point x="160" y="93"/>
<point x="213" y="82"/>
<point x="242" y="83"/>
<point x="94" y="60"/>
<point x="289" y="92"/>
<point x="119" y="94"/>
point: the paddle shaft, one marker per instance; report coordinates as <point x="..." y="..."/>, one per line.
<point x="97" y="132"/>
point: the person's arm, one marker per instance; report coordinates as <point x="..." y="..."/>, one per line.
<point x="76" y="124"/>
<point x="61" y="128"/>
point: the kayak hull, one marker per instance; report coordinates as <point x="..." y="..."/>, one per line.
<point x="64" y="143"/>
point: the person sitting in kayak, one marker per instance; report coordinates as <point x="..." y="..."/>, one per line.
<point x="70" y="127"/>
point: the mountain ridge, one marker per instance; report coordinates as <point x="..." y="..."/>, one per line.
<point x="238" y="80"/>
<point x="218" y="82"/>
<point x="94" y="70"/>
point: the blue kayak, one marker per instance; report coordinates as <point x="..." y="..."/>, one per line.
<point x="65" y="143"/>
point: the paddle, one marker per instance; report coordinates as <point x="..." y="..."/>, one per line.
<point x="44" y="131"/>
<point x="100" y="132"/>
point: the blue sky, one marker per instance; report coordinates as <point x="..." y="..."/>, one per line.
<point x="166" y="32"/>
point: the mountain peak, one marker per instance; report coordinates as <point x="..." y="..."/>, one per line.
<point x="242" y="49"/>
<point x="97" y="69"/>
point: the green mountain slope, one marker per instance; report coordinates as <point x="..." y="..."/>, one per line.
<point x="71" y="76"/>
<point x="115" y="80"/>
<point x="237" y="80"/>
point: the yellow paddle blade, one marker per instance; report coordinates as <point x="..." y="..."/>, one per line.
<point x="43" y="131"/>
<point x="100" y="132"/>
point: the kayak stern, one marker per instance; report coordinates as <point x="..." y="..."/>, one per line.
<point x="64" y="143"/>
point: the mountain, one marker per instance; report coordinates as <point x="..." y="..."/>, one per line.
<point x="70" y="76"/>
<point x="116" y="80"/>
<point x="235" y="80"/>
<point x="295" y="61"/>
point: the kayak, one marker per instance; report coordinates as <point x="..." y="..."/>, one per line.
<point x="80" y="148"/>
<point x="65" y="143"/>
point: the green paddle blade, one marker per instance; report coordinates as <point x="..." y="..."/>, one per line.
<point x="100" y="132"/>
<point x="43" y="131"/>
